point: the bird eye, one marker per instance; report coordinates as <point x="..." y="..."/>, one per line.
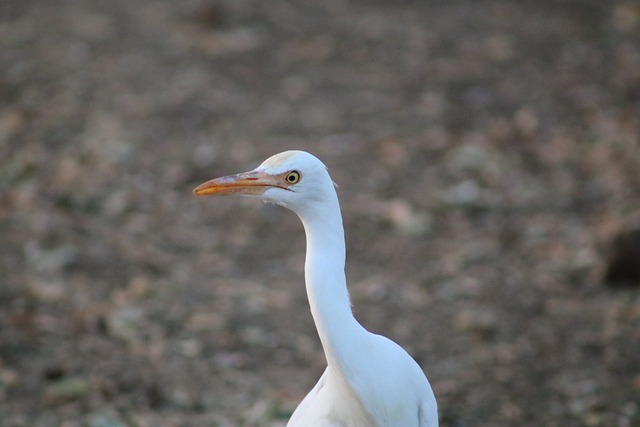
<point x="292" y="177"/>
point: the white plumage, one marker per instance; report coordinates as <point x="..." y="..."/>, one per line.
<point x="370" y="381"/>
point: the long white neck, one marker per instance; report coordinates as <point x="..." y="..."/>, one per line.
<point x="326" y="284"/>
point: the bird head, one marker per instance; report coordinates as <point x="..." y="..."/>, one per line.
<point x="294" y="179"/>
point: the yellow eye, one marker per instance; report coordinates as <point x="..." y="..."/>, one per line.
<point x="292" y="177"/>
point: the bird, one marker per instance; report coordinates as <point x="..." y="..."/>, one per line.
<point x="369" y="380"/>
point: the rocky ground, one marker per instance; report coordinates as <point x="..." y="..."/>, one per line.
<point x="487" y="154"/>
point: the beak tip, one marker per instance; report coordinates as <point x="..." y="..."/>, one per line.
<point x="201" y="189"/>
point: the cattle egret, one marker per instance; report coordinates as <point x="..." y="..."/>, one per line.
<point x="370" y="381"/>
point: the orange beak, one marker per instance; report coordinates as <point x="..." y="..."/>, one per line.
<point x="248" y="183"/>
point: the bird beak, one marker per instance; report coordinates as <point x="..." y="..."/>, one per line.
<point x="248" y="183"/>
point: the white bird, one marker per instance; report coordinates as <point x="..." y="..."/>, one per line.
<point x="370" y="381"/>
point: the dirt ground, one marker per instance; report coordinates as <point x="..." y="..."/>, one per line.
<point x="487" y="155"/>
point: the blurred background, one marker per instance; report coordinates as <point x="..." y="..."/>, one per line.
<point x="487" y="155"/>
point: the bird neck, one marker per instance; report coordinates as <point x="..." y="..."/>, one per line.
<point x="326" y="284"/>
